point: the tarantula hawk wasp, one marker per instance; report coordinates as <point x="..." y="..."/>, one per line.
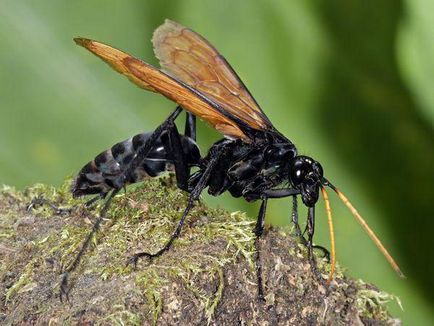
<point x="252" y="161"/>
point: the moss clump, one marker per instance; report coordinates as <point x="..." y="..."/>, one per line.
<point x="208" y="277"/>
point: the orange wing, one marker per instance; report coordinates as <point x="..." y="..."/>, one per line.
<point x="154" y="80"/>
<point x="189" y="57"/>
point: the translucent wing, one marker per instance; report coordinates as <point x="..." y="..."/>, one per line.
<point x="154" y="80"/>
<point x="192" y="59"/>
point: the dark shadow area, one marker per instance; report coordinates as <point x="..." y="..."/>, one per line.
<point x="365" y="107"/>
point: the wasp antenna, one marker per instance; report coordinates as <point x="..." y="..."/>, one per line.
<point x="368" y="230"/>
<point x="332" y="234"/>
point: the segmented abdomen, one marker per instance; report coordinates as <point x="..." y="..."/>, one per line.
<point x="106" y="171"/>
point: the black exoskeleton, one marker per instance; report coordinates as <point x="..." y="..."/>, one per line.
<point x="253" y="171"/>
<point x="105" y="172"/>
<point x="253" y="161"/>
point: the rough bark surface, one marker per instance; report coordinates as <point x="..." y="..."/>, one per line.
<point x="208" y="276"/>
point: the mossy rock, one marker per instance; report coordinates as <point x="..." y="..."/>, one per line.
<point x="208" y="277"/>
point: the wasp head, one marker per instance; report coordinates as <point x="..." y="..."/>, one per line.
<point x="306" y="175"/>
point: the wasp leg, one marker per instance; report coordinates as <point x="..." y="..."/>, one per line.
<point x="310" y="247"/>
<point x="190" y="126"/>
<point x="147" y="147"/>
<point x="300" y="234"/>
<point x="310" y="227"/>
<point x="194" y="195"/>
<point x="90" y="202"/>
<point x="259" y="229"/>
<point x="64" y="289"/>
<point x="325" y="252"/>
<point x="273" y="193"/>
<point x="294" y="215"/>
<point x="174" y="146"/>
<point x="174" y="149"/>
<point x="40" y="201"/>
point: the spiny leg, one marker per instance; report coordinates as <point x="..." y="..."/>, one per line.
<point x="286" y="192"/>
<point x="259" y="229"/>
<point x="294" y="215"/>
<point x="40" y="201"/>
<point x="194" y="195"/>
<point x="310" y="247"/>
<point x="64" y="291"/>
<point x="133" y="260"/>
<point x="325" y="252"/>
<point x="300" y="234"/>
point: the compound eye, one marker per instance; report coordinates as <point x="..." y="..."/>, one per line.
<point x="298" y="172"/>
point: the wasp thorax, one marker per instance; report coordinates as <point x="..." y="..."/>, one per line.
<point x="306" y="174"/>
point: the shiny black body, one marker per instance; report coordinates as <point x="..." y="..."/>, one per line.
<point x="106" y="171"/>
<point x="248" y="169"/>
<point x="245" y="169"/>
<point x="267" y="167"/>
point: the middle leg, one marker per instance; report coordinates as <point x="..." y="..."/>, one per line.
<point x="194" y="195"/>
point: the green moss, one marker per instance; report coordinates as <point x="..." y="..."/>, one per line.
<point x="24" y="283"/>
<point x="212" y="242"/>
<point x="121" y="317"/>
<point x="151" y="222"/>
<point x="372" y="303"/>
<point x="151" y="283"/>
<point x="211" y="303"/>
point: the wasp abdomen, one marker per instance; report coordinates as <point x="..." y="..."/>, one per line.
<point x="106" y="171"/>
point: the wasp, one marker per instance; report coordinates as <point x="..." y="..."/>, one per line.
<point x="253" y="160"/>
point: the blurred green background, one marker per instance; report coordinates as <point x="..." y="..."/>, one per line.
<point x="350" y="82"/>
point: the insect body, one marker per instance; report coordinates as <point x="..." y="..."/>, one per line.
<point x="254" y="160"/>
<point x="106" y="171"/>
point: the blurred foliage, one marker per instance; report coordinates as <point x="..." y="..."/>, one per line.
<point x="350" y="82"/>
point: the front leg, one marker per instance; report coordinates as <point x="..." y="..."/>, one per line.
<point x="259" y="229"/>
<point x="310" y="246"/>
<point x="294" y="216"/>
<point x="300" y="234"/>
<point x="286" y="192"/>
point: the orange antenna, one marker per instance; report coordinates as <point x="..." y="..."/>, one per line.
<point x="368" y="230"/>
<point x="332" y="234"/>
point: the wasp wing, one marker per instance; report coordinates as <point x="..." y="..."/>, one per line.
<point x="154" y="80"/>
<point x="192" y="59"/>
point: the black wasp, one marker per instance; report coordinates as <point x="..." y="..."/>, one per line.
<point x="253" y="160"/>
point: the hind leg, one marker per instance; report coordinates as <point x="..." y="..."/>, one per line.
<point x="57" y="210"/>
<point x="190" y="126"/>
<point x="64" y="289"/>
